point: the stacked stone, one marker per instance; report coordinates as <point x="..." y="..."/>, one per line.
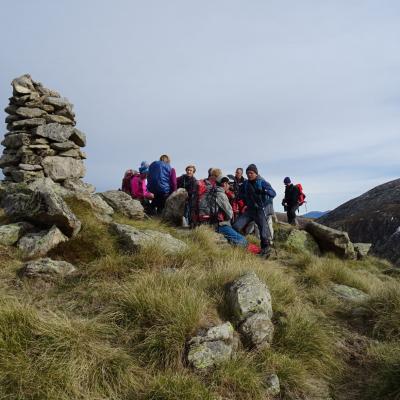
<point x="42" y="140"/>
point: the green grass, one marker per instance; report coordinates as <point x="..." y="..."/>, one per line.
<point x="118" y="329"/>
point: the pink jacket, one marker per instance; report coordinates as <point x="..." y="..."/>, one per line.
<point x="139" y="188"/>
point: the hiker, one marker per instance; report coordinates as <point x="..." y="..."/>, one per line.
<point x="258" y="196"/>
<point x="126" y="180"/>
<point x="139" y="186"/>
<point x="238" y="181"/>
<point x="161" y="181"/>
<point x="188" y="181"/>
<point x="223" y="213"/>
<point x="290" y="202"/>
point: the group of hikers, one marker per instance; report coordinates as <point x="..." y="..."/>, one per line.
<point x="234" y="205"/>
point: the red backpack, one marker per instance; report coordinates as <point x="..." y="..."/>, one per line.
<point x="301" y="199"/>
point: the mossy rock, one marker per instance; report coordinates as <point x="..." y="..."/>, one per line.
<point x="302" y="241"/>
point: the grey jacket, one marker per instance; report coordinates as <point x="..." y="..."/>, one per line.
<point x="224" y="206"/>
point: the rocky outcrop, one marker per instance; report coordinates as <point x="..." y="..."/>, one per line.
<point x="38" y="244"/>
<point x="372" y="217"/>
<point x="11" y="233"/>
<point x="175" y="207"/>
<point x="122" y="203"/>
<point x="390" y="249"/>
<point x="42" y="208"/>
<point x="362" y="249"/>
<point x="46" y="268"/>
<point x="133" y="239"/>
<point x="41" y="140"/>
<point x="250" y="303"/>
<point x="211" y="346"/>
<point x="332" y="240"/>
<point x="349" y="293"/>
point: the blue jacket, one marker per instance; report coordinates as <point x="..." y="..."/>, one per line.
<point x="258" y="196"/>
<point x="158" y="178"/>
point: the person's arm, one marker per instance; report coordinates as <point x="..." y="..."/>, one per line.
<point x="267" y="189"/>
<point x="172" y="180"/>
<point x="146" y="193"/>
<point x="224" y="205"/>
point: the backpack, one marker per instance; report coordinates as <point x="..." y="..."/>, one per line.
<point x="205" y="208"/>
<point x="301" y="199"/>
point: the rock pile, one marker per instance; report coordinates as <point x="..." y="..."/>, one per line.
<point x="41" y="140"/>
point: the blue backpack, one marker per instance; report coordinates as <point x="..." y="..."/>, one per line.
<point x="158" y="178"/>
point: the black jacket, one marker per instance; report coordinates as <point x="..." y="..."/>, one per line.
<point x="291" y="195"/>
<point x="187" y="183"/>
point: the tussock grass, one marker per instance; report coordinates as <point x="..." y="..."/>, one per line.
<point x="383" y="372"/>
<point x="383" y="311"/>
<point x="171" y="385"/>
<point x="47" y="356"/>
<point x="160" y="311"/>
<point x="239" y="379"/>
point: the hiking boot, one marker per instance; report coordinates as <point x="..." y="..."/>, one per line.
<point x="265" y="253"/>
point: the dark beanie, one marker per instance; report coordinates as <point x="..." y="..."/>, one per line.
<point x="287" y="180"/>
<point x="252" y="167"/>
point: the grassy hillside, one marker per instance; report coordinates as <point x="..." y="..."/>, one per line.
<point x="118" y="328"/>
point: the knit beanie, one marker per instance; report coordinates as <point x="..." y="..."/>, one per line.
<point x="287" y="181"/>
<point x="252" y="167"/>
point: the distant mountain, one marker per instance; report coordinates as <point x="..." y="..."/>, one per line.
<point x="373" y="217"/>
<point x="314" y="214"/>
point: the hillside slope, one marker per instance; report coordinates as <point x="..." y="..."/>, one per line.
<point x="372" y="217"/>
<point x="118" y="328"/>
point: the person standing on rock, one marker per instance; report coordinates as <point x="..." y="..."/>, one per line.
<point x="161" y="181"/>
<point x="188" y="182"/>
<point x="290" y="202"/>
<point x="258" y="196"/>
<point x="139" y="186"/>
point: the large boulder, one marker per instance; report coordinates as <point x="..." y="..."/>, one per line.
<point x="43" y="208"/>
<point x="60" y="168"/>
<point x="362" y="249"/>
<point x="302" y="241"/>
<point x="211" y="346"/>
<point x="247" y="295"/>
<point x="133" y="239"/>
<point x="330" y="239"/>
<point x="46" y="268"/>
<point x="122" y="203"/>
<point x="38" y="244"/>
<point x="175" y="207"/>
<point x="11" y="233"/>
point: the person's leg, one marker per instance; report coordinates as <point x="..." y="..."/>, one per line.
<point x="261" y="221"/>
<point x="292" y="215"/>
<point x="242" y="221"/>
<point x="232" y="236"/>
<point x="270" y="227"/>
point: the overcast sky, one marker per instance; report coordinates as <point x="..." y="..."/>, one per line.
<point x="306" y="89"/>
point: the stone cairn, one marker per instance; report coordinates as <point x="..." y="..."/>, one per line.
<point x="42" y="140"/>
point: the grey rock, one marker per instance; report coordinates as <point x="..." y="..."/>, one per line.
<point x="272" y="385"/>
<point x="122" y="203"/>
<point x="39" y="140"/>
<point x="11" y="233"/>
<point x="133" y="239"/>
<point x="63" y="146"/>
<point x="16" y="140"/>
<point x="20" y="175"/>
<point x="7" y="171"/>
<point x="28" y="112"/>
<point x="78" y="137"/>
<point x="258" y="330"/>
<point x="303" y="241"/>
<point x="175" y="207"/>
<point x="58" y="119"/>
<point x="27" y="123"/>
<point x="38" y="244"/>
<point x="349" y="293"/>
<point x="362" y="249"/>
<point x="30" y="167"/>
<point x="330" y="239"/>
<point x="211" y="347"/>
<point x="46" y="268"/>
<point x="66" y="112"/>
<point x="54" y="131"/>
<point x="42" y="207"/>
<point x="247" y="295"/>
<point x="76" y="185"/>
<point x="7" y="160"/>
<point x="61" y="168"/>
<point x="10" y="109"/>
<point x="22" y="85"/>
<point x="74" y="153"/>
<point x="12" y="118"/>
<point x="57" y="102"/>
